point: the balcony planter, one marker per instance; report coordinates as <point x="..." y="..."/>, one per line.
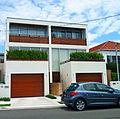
<point x="25" y="59"/>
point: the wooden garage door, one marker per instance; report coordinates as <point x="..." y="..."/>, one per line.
<point x="88" y="77"/>
<point x="27" y="85"/>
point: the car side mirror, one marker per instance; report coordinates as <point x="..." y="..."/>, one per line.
<point x="110" y="90"/>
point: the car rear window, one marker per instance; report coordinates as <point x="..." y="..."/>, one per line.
<point x="72" y="87"/>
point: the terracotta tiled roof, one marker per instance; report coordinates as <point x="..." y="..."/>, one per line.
<point x="109" y="45"/>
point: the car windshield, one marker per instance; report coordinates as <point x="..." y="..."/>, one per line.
<point x="72" y="87"/>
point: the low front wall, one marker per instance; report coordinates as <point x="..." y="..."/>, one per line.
<point x="69" y="69"/>
<point x="4" y="91"/>
<point x="115" y="84"/>
<point x="56" y="88"/>
<point x="27" y="67"/>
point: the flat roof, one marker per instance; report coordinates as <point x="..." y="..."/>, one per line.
<point x="45" y="21"/>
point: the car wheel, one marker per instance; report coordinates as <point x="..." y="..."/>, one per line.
<point x="118" y="104"/>
<point x="80" y="105"/>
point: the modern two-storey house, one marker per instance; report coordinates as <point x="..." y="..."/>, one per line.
<point x="59" y="39"/>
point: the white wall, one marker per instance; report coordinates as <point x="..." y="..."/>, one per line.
<point x="115" y="84"/>
<point x="4" y="91"/>
<point x="26" y="67"/>
<point x="65" y="75"/>
<point x="70" y="69"/>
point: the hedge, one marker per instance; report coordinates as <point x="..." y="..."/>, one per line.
<point x="27" y="54"/>
<point x="5" y="99"/>
<point x="86" y="56"/>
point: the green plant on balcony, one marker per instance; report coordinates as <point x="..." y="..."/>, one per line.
<point x="86" y="56"/>
<point x="27" y="54"/>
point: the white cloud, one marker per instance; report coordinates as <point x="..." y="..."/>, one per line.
<point x="93" y="44"/>
<point x="91" y="36"/>
<point x="61" y="10"/>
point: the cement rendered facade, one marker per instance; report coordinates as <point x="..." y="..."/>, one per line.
<point x="17" y="67"/>
<point x="68" y="70"/>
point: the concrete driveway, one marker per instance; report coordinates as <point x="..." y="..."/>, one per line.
<point x="34" y="102"/>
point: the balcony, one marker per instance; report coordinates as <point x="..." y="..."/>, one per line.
<point x="68" y="41"/>
<point x="28" y="39"/>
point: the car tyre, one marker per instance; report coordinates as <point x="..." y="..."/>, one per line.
<point x="80" y="105"/>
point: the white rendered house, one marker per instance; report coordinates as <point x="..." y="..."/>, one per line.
<point x="59" y="39"/>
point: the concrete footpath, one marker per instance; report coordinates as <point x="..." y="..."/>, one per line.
<point x="33" y="102"/>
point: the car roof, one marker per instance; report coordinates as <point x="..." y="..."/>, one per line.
<point x="87" y="83"/>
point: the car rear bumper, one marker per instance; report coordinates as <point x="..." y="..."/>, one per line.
<point x="67" y="101"/>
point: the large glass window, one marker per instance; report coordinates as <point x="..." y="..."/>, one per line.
<point x="109" y="59"/>
<point x="55" y="59"/>
<point x="35" y="48"/>
<point x="41" y="32"/>
<point x="69" y="35"/>
<point x="113" y="58"/>
<point x="119" y="59"/>
<point x="24" y="48"/>
<point x="14" y="29"/>
<point x="13" y="48"/>
<point x="64" y="55"/>
<point x="32" y="31"/>
<point x="23" y="30"/>
<point x="28" y="30"/>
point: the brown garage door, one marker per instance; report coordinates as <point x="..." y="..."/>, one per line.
<point x="88" y="77"/>
<point x="27" y="85"/>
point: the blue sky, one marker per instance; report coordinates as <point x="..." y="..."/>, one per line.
<point x="66" y="11"/>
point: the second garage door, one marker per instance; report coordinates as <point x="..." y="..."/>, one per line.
<point x="88" y="77"/>
<point x="27" y="85"/>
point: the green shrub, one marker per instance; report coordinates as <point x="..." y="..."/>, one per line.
<point x="60" y="102"/>
<point x="24" y="54"/>
<point x="5" y="104"/>
<point x="2" y="82"/>
<point x="86" y="56"/>
<point x="5" y="99"/>
<point x="50" y="96"/>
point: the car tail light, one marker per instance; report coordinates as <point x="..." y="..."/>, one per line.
<point x="73" y="94"/>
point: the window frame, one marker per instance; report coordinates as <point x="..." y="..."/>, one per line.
<point x="90" y="84"/>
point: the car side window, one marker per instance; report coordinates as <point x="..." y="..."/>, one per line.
<point x="102" y="87"/>
<point x="89" y="87"/>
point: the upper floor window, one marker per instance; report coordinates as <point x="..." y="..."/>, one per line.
<point x="16" y="29"/>
<point x="70" y="33"/>
<point x="112" y="59"/>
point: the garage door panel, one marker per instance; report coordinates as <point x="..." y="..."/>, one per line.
<point x="27" y="85"/>
<point x="88" y="77"/>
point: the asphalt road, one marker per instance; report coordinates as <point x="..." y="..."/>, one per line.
<point x="62" y="113"/>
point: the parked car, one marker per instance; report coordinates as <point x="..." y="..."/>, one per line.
<point x="81" y="95"/>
